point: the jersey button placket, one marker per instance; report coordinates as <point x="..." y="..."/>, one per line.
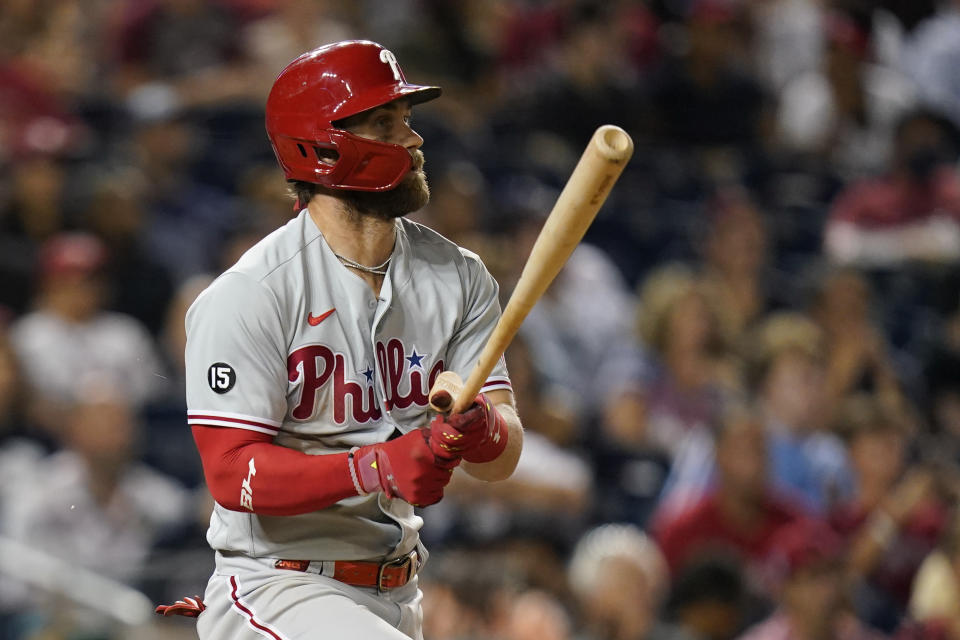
<point x="382" y="304"/>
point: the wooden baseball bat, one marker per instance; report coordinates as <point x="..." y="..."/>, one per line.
<point x="599" y="167"/>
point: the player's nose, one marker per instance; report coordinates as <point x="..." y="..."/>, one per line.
<point x="411" y="139"/>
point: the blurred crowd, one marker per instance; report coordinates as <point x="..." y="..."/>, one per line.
<point x="741" y="395"/>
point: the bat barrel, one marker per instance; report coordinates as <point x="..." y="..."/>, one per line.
<point x="599" y="167"/>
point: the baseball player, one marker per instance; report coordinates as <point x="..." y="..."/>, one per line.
<point x="309" y="364"/>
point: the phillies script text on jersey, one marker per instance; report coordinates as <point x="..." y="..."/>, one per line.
<point x="315" y="365"/>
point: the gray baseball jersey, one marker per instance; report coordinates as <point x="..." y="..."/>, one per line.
<point x="291" y="343"/>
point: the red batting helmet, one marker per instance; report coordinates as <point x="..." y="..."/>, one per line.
<point x="326" y="85"/>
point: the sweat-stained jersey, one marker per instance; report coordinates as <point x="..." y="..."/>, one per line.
<point x="291" y="343"/>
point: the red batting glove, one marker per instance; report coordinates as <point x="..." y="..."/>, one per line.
<point x="404" y="467"/>
<point x="189" y="607"/>
<point x="479" y="434"/>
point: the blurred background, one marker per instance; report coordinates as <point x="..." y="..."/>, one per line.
<point x="742" y="394"/>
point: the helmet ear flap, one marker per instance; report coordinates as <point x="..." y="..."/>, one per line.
<point x="317" y="158"/>
<point x="342" y="160"/>
<point x="367" y="165"/>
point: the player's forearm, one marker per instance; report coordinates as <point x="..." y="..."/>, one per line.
<point x="246" y="472"/>
<point x="502" y="467"/>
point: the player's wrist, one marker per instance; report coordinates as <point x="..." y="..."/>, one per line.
<point x="354" y="476"/>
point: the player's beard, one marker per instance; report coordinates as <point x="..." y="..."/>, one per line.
<point x="410" y="195"/>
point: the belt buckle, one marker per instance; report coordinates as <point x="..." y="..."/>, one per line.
<point x="396" y="562"/>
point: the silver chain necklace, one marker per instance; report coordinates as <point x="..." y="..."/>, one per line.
<point x="379" y="270"/>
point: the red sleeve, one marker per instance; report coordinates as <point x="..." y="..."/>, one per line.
<point x="245" y="471"/>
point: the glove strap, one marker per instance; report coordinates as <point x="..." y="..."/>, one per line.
<point x="374" y="471"/>
<point x="368" y="477"/>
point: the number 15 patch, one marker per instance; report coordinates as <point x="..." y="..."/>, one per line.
<point x="221" y="377"/>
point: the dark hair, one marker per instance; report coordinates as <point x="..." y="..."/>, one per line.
<point x="949" y="132"/>
<point x="302" y="191"/>
<point x="709" y="579"/>
<point x="863" y="414"/>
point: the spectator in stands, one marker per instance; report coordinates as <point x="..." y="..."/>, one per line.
<point x="462" y="594"/>
<point x="691" y="371"/>
<point x="787" y="371"/>
<point x="92" y="504"/>
<point x="574" y="346"/>
<point x="930" y="57"/>
<point x="173" y="338"/>
<point x="935" y="594"/>
<point x="740" y="515"/>
<point x="912" y="213"/>
<point x="788" y="39"/>
<point x="169" y="447"/>
<point x="845" y="111"/>
<point x="13" y="418"/>
<point x="472" y="595"/>
<point x="858" y="354"/>
<point x="706" y="602"/>
<point x="629" y="470"/>
<point x="590" y="77"/>
<point x="20" y="445"/>
<point x="31" y="213"/>
<point x="942" y="376"/>
<point x="186" y="220"/>
<point x="47" y="58"/>
<point x="688" y="341"/>
<point x="69" y="340"/>
<point x="536" y="500"/>
<point x="290" y="29"/>
<point x="894" y="518"/>
<point x="810" y="601"/>
<point x="620" y="580"/>
<point x="535" y="615"/>
<point x="735" y="259"/>
<point x="456" y="206"/>
<point x="266" y="196"/>
<point x="140" y="286"/>
<point x="703" y="98"/>
<point x="60" y="43"/>
<point x="181" y="52"/>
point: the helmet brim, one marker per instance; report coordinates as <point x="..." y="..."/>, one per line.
<point x="419" y="94"/>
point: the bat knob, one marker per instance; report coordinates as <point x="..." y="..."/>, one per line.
<point x="441" y="401"/>
<point x="445" y="388"/>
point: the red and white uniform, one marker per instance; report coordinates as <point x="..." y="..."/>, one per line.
<point x="289" y="342"/>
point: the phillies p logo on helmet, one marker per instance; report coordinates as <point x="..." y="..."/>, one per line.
<point x="387" y="56"/>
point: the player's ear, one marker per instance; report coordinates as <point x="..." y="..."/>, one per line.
<point x="327" y="156"/>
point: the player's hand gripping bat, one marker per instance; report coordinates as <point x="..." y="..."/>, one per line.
<point x="599" y="167"/>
